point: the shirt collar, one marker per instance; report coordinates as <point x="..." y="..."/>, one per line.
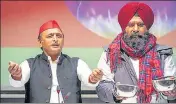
<point x="57" y="60"/>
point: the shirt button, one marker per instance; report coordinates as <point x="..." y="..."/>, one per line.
<point x="48" y="64"/>
<point x="47" y="101"/>
<point x="50" y="75"/>
<point x="49" y="88"/>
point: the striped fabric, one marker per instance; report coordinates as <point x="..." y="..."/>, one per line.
<point x="149" y="64"/>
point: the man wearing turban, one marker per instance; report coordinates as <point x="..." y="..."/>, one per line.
<point x="52" y="77"/>
<point x="134" y="58"/>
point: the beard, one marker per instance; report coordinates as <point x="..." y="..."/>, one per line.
<point x="136" y="41"/>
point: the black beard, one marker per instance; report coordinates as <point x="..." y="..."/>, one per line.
<point x="136" y="41"/>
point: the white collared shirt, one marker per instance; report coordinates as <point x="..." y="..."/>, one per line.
<point x="83" y="72"/>
<point x="54" y="94"/>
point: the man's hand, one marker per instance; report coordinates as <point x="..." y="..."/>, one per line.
<point x="169" y="93"/>
<point x="120" y="98"/>
<point x="95" y="76"/>
<point x="15" y="71"/>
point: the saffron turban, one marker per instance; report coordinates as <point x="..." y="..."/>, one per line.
<point x="130" y="9"/>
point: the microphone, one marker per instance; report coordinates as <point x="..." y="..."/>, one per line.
<point x="66" y="96"/>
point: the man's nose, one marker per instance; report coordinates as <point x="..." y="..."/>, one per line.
<point x="55" y="38"/>
<point x="135" y="29"/>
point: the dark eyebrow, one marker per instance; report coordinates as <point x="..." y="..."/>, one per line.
<point x="51" y="34"/>
<point x="57" y="34"/>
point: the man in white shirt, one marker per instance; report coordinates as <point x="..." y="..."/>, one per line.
<point x="134" y="58"/>
<point x="52" y="77"/>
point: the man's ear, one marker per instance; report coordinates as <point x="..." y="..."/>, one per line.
<point x="40" y="42"/>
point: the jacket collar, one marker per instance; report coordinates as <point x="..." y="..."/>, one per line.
<point x="48" y="58"/>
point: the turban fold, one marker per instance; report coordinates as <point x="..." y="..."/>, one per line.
<point x="130" y="9"/>
<point x="49" y="25"/>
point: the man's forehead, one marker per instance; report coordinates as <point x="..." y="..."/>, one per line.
<point x="136" y="19"/>
<point x="53" y="30"/>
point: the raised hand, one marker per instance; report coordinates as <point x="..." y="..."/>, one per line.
<point x="95" y="76"/>
<point x="15" y="71"/>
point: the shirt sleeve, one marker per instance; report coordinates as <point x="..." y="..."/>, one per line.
<point x="105" y="67"/>
<point x="25" y="75"/>
<point x="106" y="85"/>
<point x="84" y="72"/>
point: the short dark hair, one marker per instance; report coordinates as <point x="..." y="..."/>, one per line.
<point x="39" y="39"/>
<point x="39" y="36"/>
